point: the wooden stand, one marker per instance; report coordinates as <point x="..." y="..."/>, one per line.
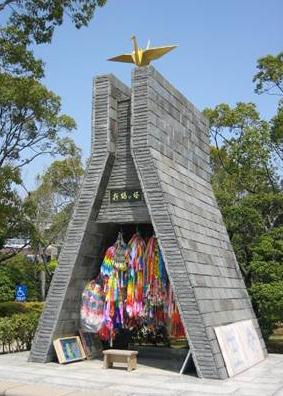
<point x="120" y="356"/>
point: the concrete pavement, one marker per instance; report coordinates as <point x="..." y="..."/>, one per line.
<point x="21" y="378"/>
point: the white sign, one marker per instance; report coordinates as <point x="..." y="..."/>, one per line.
<point x="240" y="346"/>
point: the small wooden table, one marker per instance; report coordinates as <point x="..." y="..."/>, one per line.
<point x="120" y="356"/>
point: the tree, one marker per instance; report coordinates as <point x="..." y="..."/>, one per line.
<point x="38" y="19"/>
<point x="267" y="279"/>
<point x="14" y="214"/>
<point x="246" y="183"/>
<point x="19" y="270"/>
<point x="269" y="79"/>
<point x="31" y="123"/>
<point x="30" y="126"/>
<point x="247" y="219"/>
<point x="32" y="22"/>
<point x="53" y="203"/>
<point x="55" y="196"/>
<point x="242" y="156"/>
<point x="16" y="58"/>
<point x="7" y="287"/>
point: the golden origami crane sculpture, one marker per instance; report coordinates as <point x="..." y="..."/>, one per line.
<point x="142" y="56"/>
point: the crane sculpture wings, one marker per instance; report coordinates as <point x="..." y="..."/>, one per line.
<point x="142" y="56"/>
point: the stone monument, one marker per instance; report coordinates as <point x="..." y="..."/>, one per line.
<point x="151" y="140"/>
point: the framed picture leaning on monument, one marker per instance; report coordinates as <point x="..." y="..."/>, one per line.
<point x="91" y="345"/>
<point x="69" y="349"/>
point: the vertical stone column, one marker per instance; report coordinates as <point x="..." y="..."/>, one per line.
<point x="83" y="240"/>
<point x="167" y="238"/>
<point x="170" y="146"/>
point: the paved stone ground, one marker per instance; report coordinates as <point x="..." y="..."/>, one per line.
<point x="88" y="378"/>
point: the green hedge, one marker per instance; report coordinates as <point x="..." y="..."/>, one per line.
<point x="12" y="307"/>
<point x="17" y="331"/>
<point x="19" y="270"/>
<point x="18" y="323"/>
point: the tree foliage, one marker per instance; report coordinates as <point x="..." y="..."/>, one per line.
<point x="14" y="213"/>
<point x="31" y="122"/>
<point x="246" y="178"/>
<point x="31" y="125"/>
<point x="16" y="58"/>
<point x="54" y="198"/>
<point x="241" y="157"/>
<point x="18" y="270"/>
<point x="33" y="22"/>
<point x="7" y="287"/>
<point x="269" y="79"/>
<point x="38" y="19"/>
<point x="53" y="202"/>
<point x="267" y="278"/>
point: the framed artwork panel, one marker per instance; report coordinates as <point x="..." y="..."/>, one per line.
<point x="69" y="349"/>
<point x="91" y="345"/>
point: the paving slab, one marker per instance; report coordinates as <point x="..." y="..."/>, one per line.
<point x="36" y="390"/>
<point x="88" y="378"/>
<point x="279" y="392"/>
<point x="94" y="393"/>
<point x="5" y="385"/>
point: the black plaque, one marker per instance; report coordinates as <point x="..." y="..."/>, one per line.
<point x="125" y="195"/>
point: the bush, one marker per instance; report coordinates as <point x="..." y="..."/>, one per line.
<point x="268" y="302"/>
<point x="7" y="287"/>
<point x="18" y="323"/>
<point x="19" y="270"/>
<point x="17" y="331"/>
<point x="267" y="280"/>
<point x="10" y="308"/>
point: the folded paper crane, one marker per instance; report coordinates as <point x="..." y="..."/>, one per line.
<point x="142" y="56"/>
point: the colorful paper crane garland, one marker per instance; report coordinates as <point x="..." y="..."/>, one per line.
<point x="135" y="260"/>
<point x="132" y="288"/>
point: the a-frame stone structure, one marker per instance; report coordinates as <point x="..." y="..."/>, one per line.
<point x="151" y="138"/>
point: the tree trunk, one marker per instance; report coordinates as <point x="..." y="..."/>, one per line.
<point x="43" y="284"/>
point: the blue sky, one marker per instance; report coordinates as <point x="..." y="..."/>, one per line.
<point x="219" y="43"/>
